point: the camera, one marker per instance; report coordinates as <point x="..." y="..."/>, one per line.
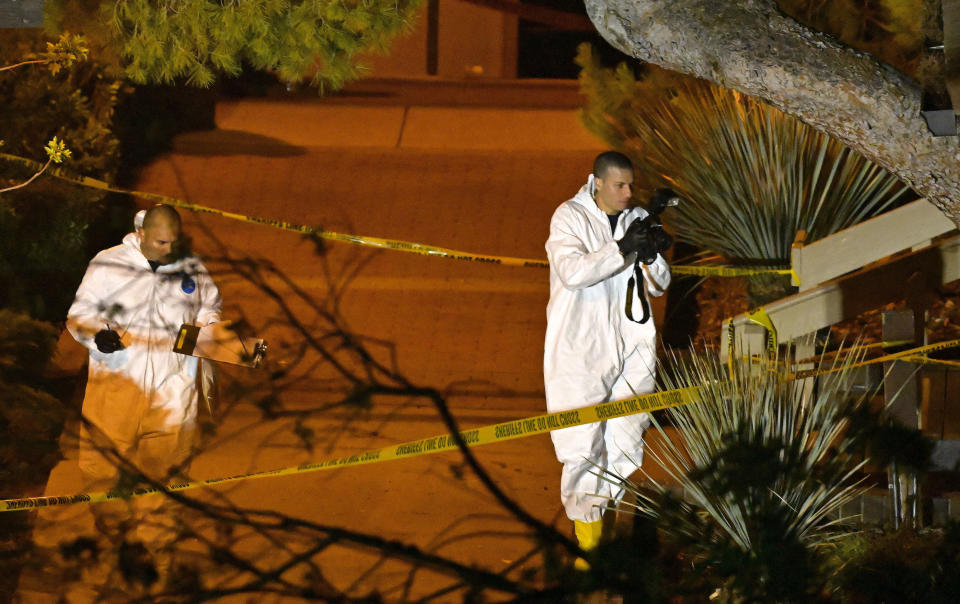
<point x="654" y="239"/>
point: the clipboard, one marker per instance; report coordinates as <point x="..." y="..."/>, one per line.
<point x="218" y="342"/>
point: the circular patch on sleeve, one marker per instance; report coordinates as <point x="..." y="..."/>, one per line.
<point x="187" y="284"/>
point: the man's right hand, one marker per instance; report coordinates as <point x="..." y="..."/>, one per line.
<point x="634" y="238"/>
<point x="108" y="341"/>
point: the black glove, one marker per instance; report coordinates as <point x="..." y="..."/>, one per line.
<point x="647" y="251"/>
<point x="660" y="242"/>
<point x="634" y="238"/>
<point x="108" y="341"/>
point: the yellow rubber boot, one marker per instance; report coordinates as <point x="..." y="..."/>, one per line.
<point x="588" y="536"/>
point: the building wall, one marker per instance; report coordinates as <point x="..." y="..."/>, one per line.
<point x="472" y="42"/>
<point x="407" y="56"/>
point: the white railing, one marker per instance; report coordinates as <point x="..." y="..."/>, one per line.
<point x="855" y="270"/>
<point x="909" y="227"/>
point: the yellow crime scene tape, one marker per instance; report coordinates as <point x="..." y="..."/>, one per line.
<point x="928" y="361"/>
<point x="519" y="428"/>
<point x="857" y="348"/>
<point x="479" y="436"/>
<point x="913" y="355"/>
<point x="917" y="355"/>
<point x="377" y="242"/>
<point x="759" y="316"/>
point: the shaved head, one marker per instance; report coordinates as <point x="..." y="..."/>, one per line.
<point x="162" y="213"/>
<point x="613" y="182"/>
<point x="160" y="234"/>
<point x="610" y="159"/>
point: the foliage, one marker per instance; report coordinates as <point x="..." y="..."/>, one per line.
<point x="751" y="176"/>
<point x="887" y="441"/>
<point x="162" y="41"/>
<point x="30" y="422"/>
<point x="56" y="152"/>
<point x="76" y="105"/>
<point x="904" y="566"/>
<point x="894" y="31"/>
<point x="30" y="419"/>
<point x="62" y="54"/>
<point x="885" y="28"/>
<point x="763" y="462"/>
<point x="51" y="114"/>
<point x="42" y="247"/>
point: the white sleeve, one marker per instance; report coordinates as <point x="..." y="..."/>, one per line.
<point x="209" y="298"/>
<point x="657" y="276"/>
<point x="573" y="264"/>
<point x="85" y="319"/>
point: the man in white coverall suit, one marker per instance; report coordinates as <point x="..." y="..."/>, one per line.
<point x="141" y="397"/>
<point x="593" y="352"/>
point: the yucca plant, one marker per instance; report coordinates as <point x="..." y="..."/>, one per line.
<point x="764" y="462"/>
<point x="751" y="175"/>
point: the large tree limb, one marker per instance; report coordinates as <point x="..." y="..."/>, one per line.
<point x="753" y="47"/>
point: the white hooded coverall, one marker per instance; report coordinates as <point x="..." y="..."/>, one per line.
<point x="143" y="397"/>
<point x="593" y="353"/>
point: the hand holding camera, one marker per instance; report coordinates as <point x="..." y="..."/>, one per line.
<point x="637" y="239"/>
<point x="646" y="236"/>
<point x="108" y="341"/>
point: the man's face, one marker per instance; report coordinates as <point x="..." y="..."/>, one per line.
<point x="158" y="242"/>
<point x="614" y="189"/>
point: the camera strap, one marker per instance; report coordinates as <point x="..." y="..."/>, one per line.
<point x="637" y="280"/>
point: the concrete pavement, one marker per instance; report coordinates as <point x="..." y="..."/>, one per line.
<point x="316" y="124"/>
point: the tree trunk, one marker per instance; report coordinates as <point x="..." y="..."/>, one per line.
<point x="753" y="47"/>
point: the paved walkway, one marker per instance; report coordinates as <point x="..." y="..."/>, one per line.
<point x="473" y="178"/>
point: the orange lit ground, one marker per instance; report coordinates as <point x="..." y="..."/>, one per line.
<point x="471" y="330"/>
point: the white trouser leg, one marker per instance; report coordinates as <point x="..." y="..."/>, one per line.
<point x="594" y="455"/>
<point x="623" y="438"/>
<point x="582" y="491"/>
<point x="580" y="448"/>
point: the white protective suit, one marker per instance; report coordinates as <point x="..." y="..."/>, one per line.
<point x="144" y="397"/>
<point x="593" y="353"/>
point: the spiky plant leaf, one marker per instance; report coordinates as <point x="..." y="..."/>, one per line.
<point x="764" y="462"/>
<point x="752" y="176"/>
